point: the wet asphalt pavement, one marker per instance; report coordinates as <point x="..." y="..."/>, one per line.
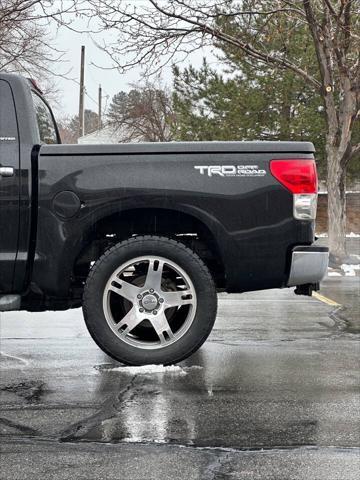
<point x="273" y="394"/>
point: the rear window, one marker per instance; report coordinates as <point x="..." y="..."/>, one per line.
<point x="45" y="121"/>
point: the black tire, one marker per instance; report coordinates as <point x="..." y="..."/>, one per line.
<point x="189" y="262"/>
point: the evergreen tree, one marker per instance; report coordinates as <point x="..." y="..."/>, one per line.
<point x="256" y="101"/>
<point x="248" y="105"/>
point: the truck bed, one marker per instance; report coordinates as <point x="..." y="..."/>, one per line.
<point x="225" y="186"/>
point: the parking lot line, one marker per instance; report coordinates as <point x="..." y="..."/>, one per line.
<point x="324" y="299"/>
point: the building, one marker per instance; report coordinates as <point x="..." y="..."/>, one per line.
<point x="108" y="134"/>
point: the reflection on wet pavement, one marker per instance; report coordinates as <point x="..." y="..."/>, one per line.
<point x="277" y="373"/>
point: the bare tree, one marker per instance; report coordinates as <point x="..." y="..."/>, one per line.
<point x="67" y="135"/>
<point x="69" y="126"/>
<point x="26" y="45"/>
<point x="143" y="114"/>
<point x="154" y="33"/>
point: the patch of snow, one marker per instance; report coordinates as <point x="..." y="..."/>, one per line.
<point x="149" y="369"/>
<point x="324" y="192"/>
<point x="349" y="269"/>
<point x="334" y="274"/>
<point x="348" y="235"/>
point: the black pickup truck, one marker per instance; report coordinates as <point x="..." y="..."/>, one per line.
<point x="142" y="236"/>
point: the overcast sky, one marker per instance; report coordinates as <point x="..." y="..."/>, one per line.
<point x="111" y="80"/>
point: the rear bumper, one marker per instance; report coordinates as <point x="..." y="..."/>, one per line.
<point x="308" y="265"/>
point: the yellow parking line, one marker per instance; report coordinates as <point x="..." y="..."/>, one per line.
<point x="324" y="299"/>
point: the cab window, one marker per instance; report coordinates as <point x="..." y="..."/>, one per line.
<point x="45" y="121"/>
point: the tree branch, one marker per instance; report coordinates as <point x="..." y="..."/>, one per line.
<point x="250" y="50"/>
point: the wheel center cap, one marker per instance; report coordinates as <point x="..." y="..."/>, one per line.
<point x="149" y="302"/>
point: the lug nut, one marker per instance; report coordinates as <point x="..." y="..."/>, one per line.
<point x="161" y="300"/>
<point x="139" y="297"/>
<point x="154" y="312"/>
<point x="151" y="290"/>
<point x="141" y="310"/>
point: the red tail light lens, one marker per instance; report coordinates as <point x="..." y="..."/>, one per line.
<point x="297" y="175"/>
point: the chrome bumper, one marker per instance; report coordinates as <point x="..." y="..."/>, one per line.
<point x="308" y="265"/>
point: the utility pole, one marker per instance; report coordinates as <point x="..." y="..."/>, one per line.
<point x="99" y="107"/>
<point x="82" y="92"/>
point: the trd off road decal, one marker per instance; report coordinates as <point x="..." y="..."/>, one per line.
<point x="231" y="170"/>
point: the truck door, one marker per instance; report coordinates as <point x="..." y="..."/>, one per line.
<point x="9" y="187"/>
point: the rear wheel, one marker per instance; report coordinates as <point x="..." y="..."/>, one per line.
<point x="149" y="300"/>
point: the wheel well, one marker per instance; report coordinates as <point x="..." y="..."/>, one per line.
<point x="174" y="224"/>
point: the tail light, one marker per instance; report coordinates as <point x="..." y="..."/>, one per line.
<point x="300" y="178"/>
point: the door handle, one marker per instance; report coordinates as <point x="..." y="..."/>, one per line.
<point x="6" y="172"/>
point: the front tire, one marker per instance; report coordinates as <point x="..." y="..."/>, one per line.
<point x="149" y="300"/>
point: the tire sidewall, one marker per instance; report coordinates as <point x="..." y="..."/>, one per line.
<point x="124" y="252"/>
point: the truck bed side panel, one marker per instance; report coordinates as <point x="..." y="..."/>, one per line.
<point x="249" y="213"/>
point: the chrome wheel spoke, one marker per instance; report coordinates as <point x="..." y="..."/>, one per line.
<point x="124" y="289"/>
<point x="153" y="285"/>
<point x="177" y="299"/>
<point x="131" y="320"/>
<point x="154" y="275"/>
<point x="162" y="328"/>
